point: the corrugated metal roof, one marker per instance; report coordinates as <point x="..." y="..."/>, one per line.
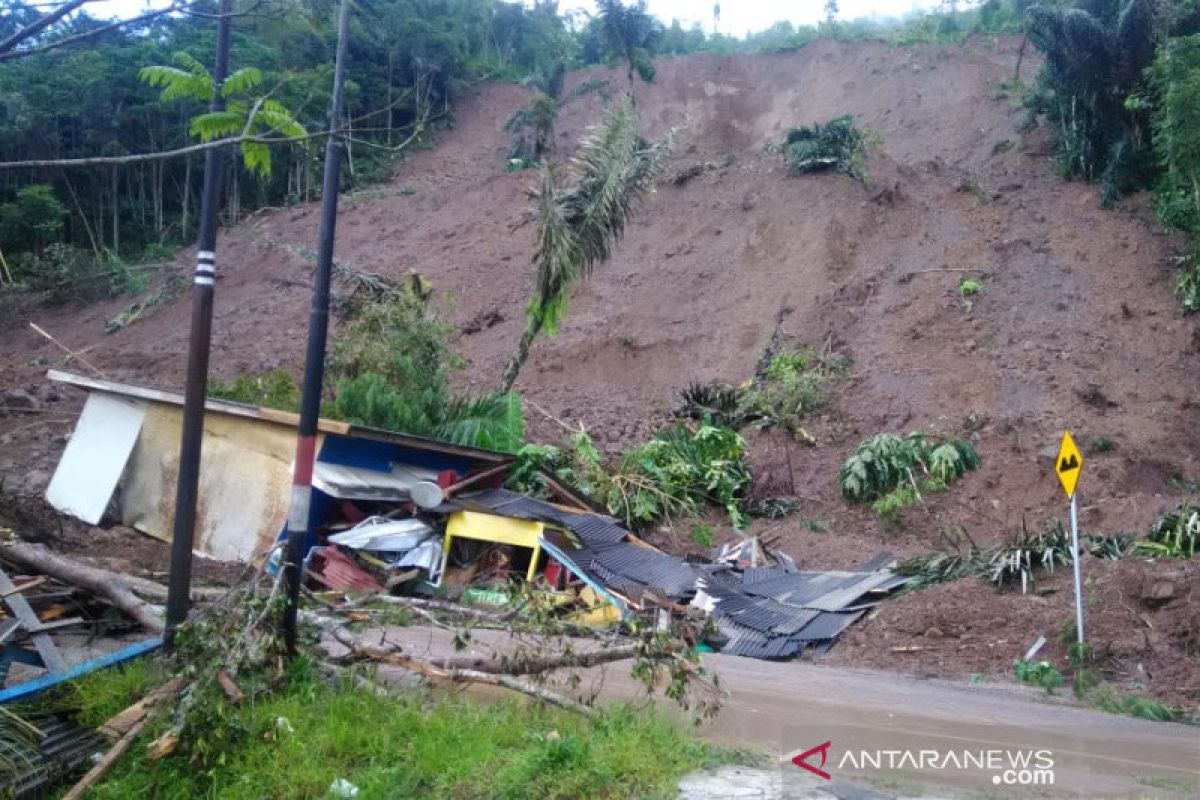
<point x="595" y="529"/>
<point x="768" y="612"/>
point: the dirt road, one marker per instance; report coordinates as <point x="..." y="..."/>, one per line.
<point x="788" y="707"/>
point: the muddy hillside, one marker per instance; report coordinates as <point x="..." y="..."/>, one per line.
<point x="1073" y="324"/>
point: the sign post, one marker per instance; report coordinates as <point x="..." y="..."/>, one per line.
<point x="1068" y="465"/>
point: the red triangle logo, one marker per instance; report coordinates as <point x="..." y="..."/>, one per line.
<point x="801" y="760"/>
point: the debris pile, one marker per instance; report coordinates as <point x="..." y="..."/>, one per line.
<point x="407" y="515"/>
<point x="781" y="612"/>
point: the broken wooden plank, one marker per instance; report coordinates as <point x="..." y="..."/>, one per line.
<point x="51" y="658"/>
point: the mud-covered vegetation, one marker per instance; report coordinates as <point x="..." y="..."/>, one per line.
<point x="837" y="145"/>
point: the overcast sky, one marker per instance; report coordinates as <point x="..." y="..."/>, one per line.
<point x="737" y="16"/>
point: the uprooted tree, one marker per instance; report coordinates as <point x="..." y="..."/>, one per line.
<point x="578" y="227"/>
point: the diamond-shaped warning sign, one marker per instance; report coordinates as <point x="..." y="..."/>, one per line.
<point x="1068" y="464"/>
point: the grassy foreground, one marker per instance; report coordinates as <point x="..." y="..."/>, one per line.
<point x="297" y="742"/>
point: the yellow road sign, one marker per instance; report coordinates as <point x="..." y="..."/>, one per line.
<point x="1068" y="464"/>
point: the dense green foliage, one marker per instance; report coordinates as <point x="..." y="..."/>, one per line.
<point x="676" y="473"/>
<point x="296" y="742"/>
<point x="886" y="462"/>
<point x="407" y="60"/>
<point x="1039" y="673"/>
<point x="390" y="368"/>
<point x="275" y="389"/>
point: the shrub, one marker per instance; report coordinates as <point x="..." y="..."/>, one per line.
<point x="1017" y="561"/>
<point x="64" y="273"/>
<point x="716" y="403"/>
<point x="1105" y="699"/>
<point x="791" y="387"/>
<point x="493" y="421"/>
<point x="275" y="389"/>
<point x="1175" y="534"/>
<point x="1187" y="288"/>
<point x="1038" y="673"/>
<point x="674" y="474"/>
<point x="886" y="461"/>
<point x="391" y="366"/>
<point x="678" y="471"/>
<point x="837" y="145"/>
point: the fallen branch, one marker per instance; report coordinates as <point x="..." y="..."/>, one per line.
<point x="119" y="725"/>
<point x="108" y="585"/>
<point x="104" y="764"/>
<point x="499" y="665"/>
<point x="139" y="711"/>
<point x="432" y="605"/>
<point x="462" y="675"/>
<point x="77" y="355"/>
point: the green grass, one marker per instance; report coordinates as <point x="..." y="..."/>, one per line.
<point x="410" y="746"/>
<point x="95" y="698"/>
<point x="1171" y="783"/>
<point x="1131" y="705"/>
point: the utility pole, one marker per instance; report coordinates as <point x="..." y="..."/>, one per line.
<point x="183" y="533"/>
<point x="298" y="522"/>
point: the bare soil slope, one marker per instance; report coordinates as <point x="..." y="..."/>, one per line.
<point x="1075" y="325"/>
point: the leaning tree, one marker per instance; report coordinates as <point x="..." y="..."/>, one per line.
<point x="579" y="226"/>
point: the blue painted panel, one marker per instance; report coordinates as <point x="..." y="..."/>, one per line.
<point x="53" y="679"/>
<point x="372" y="454"/>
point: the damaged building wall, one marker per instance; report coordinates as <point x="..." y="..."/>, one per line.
<point x="245" y="473"/>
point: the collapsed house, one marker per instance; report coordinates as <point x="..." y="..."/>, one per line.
<point x="411" y="515"/>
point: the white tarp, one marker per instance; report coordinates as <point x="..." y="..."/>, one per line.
<point x="95" y="457"/>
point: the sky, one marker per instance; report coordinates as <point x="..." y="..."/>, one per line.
<point x="737" y="16"/>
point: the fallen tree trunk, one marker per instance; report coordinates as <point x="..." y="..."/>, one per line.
<point x="109" y="585"/>
<point x="157" y="593"/>
<point x="499" y="665"/>
<point x="464" y="675"/>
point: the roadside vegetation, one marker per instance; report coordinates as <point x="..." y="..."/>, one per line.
<point x="314" y="732"/>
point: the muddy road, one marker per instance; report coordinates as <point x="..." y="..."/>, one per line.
<point x="783" y="708"/>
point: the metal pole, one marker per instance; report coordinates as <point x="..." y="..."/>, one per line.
<point x="183" y="533"/>
<point x="314" y="365"/>
<point x="1078" y="581"/>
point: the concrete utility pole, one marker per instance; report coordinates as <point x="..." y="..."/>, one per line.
<point x="183" y="534"/>
<point x="299" y="522"/>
